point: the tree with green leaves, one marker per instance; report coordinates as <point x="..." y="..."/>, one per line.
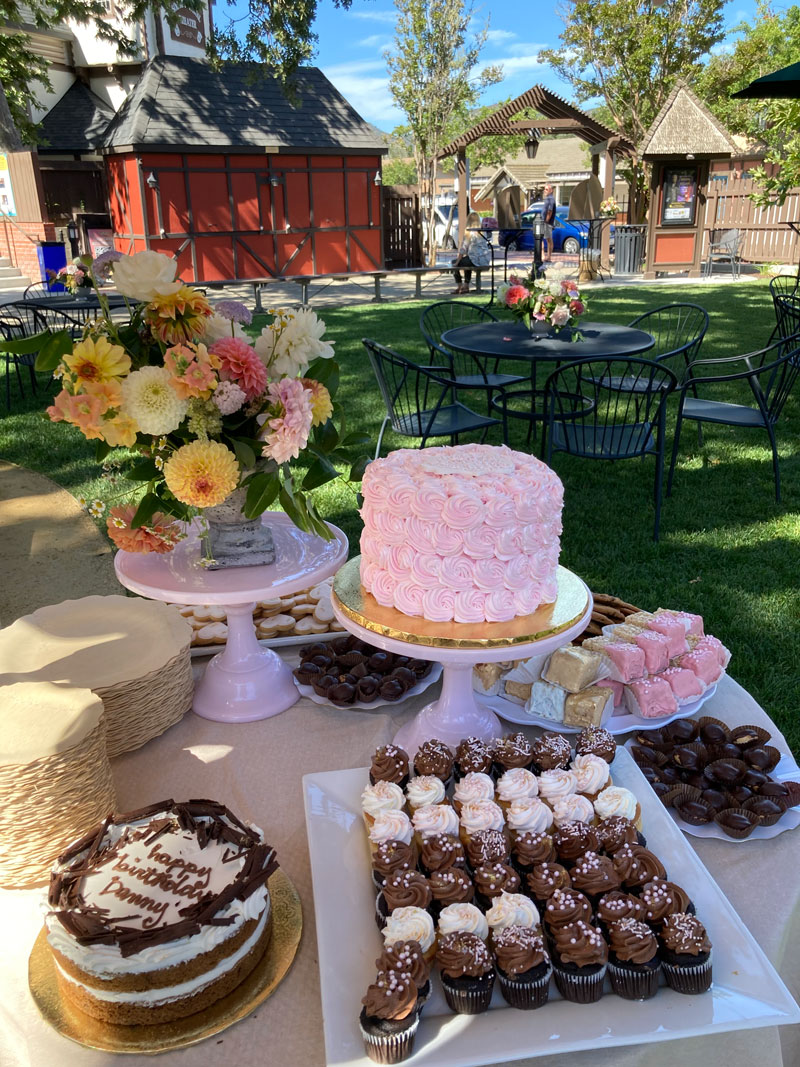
<point x="629" y="54"/>
<point x="433" y="76"/>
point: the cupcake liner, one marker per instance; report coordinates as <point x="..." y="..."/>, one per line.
<point x="750" y="735"/>
<point x="794" y="793"/>
<point x="765" y="820"/>
<point x="634" y="984"/>
<point x="377" y="881"/>
<point x="385" y="1044"/>
<point x="468" y="996"/>
<point x="705" y="719"/>
<point x="651" y="756"/>
<point x="740" y="764"/>
<point x="351" y="659"/>
<point x="738" y="835"/>
<point x="580" y="988"/>
<point x="775" y="756"/>
<point x="525" y="994"/>
<point x="381" y="910"/>
<point x="688" y="979"/>
<point x="691" y="817"/>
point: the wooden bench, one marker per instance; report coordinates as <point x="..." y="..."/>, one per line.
<point x="419" y="272"/>
<point x="305" y="280"/>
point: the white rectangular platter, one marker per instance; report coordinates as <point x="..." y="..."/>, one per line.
<point x="747" y="991"/>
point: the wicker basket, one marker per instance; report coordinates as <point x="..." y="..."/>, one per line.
<point x="48" y="800"/>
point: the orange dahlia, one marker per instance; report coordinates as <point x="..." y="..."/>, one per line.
<point x="240" y="364"/>
<point x="161" y="534"/>
<point x="202" y="473"/>
<point x="178" y="317"/>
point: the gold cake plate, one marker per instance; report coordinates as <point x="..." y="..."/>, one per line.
<point x="287" y="927"/>
<point x="550" y="620"/>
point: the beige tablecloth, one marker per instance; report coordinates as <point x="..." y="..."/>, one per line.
<point x="257" y="769"/>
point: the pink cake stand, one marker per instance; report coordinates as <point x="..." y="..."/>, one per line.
<point x="457" y="713"/>
<point x="245" y="681"/>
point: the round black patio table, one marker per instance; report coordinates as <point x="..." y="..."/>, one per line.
<point x="67" y="302"/>
<point x="513" y="340"/>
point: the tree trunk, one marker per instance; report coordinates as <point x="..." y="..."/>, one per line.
<point x="10" y="140"/>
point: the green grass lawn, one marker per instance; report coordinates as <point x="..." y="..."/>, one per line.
<point x="727" y="550"/>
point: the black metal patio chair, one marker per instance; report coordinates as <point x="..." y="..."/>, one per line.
<point x="15" y="327"/>
<point x="52" y="318"/>
<point x="421" y="401"/>
<point x="787" y="316"/>
<point x="770" y="374"/>
<point x="447" y="315"/>
<point x="42" y="290"/>
<point x="783" y="285"/>
<point x="585" y="418"/>
<point x="678" y="330"/>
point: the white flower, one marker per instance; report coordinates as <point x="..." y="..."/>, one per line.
<point x="560" y="316"/>
<point x="229" y="397"/>
<point x="289" y="352"/>
<point x="96" y="508"/>
<point x="218" y="328"/>
<point x="151" y="402"/>
<point x="554" y="289"/>
<point x="144" y="275"/>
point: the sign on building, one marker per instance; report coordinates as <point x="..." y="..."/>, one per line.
<point x="7" y="205"/>
<point x="190" y="28"/>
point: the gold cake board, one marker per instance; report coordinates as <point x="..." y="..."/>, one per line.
<point x="549" y="620"/>
<point x="70" y="1022"/>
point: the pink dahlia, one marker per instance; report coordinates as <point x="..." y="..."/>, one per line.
<point x="240" y="364"/>
<point x="291" y="425"/>
<point x="516" y="293"/>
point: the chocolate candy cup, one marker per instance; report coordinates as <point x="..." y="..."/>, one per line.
<point x="740" y="793"/>
<point x="323" y="684"/>
<point x="392" y="689"/>
<point x="661" y="789"/>
<point x="420" y="667"/>
<point x="680" y="793"/>
<point x="776" y="791"/>
<point x="738" y="823"/>
<point x="715" y="798"/>
<point x="690" y="757"/>
<point x="341" y="694"/>
<point x="380" y="662"/>
<point x="651" y="775"/>
<point x="681" y="731"/>
<point x="726" y="750"/>
<point x="762" y="757"/>
<point x="367" y="688"/>
<point x="755" y="779"/>
<point x="360" y="670"/>
<point x="695" y="812"/>
<point x="321" y="659"/>
<point x="404" y="675"/>
<point x="746" y="736"/>
<point x="711" y="731"/>
<point x="319" y="648"/>
<point x="644" y="756"/>
<point x="669" y="775"/>
<point x="308" y="673"/>
<point x="727" y="771"/>
<point x="766" y="809"/>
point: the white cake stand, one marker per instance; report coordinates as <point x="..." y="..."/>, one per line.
<point x="458" y="647"/>
<point x="245" y="681"/>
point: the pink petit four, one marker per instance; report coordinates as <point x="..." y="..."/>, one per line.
<point x="693" y="624"/>
<point x="716" y="646"/>
<point x="656" y="650"/>
<point x="650" y="698"/>
<point x="684" y="683"/>
<point x="674" y="631"/>
<point x="626" y="661"/>
<point x="617" y="688"/>
<point x="704" y="663"/>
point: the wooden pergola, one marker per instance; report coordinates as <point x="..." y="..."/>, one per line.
<point x="557" y="117"/>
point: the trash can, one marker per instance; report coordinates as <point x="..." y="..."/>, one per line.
<point x="629" y="249"/>
<point x="52" y="257"/>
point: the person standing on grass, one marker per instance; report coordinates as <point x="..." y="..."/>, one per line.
<point x="474" y="251"/>
<point x="548" y="218"/>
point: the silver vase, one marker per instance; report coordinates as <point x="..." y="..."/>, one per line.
<point x="232" y="539"/>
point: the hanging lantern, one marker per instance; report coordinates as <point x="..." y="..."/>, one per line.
<point x="531" y="144"/>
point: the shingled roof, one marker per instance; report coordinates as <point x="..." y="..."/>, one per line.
<point x="180" y="102"/>
<point x="685" y="125"/>
<point x="77" y="123"/>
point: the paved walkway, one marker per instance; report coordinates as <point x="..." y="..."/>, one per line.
<point x="52" y="550"/>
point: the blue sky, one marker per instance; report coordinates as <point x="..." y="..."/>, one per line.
<point x="351" y="46"/>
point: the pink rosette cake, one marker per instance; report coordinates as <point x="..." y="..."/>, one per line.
<point x="467" y="533"/>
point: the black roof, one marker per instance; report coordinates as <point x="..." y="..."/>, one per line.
<point x="77" y="123"/>
<point x="179" y="102"/>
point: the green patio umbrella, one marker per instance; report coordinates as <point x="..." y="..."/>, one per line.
<point x="783" y="84"/>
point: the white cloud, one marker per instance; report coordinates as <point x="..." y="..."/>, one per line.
<point x="375" y="16"/>
<point x="498" y="36"/>
<point x="370" y="96"/>
<point x="377" y="40"/>
<point x="525" y="48"/>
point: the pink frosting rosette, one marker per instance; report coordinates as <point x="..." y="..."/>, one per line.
<point x="400" y="498"/>
<point x="371" y="546"/>
<point x="382" y="587"/>
<point x="399" y="559"/>
<point x="516" y="573"/>
<point x="550" y="591"/>
<point x="463" y="510"/>
<point x="540" y="567"/>
<point x="479" y="543"/>
<point x="429" y="499"/>
<point x="499" y="606"/>
<point x="469" y="606"/>
<point x="526" y="601"/>
<point x="421" y="535"/>
<point x="438" y="605"/>
<point x="531" y="538"/>
<point x="499" y="511"/>
<point x="509" y="544"/>
<point x="488" y="574"/>
<point x="408" y="598"/>
<point x="368" y="571"/>
<point x="425" y="571"/>
<point x="390" y="527"/>
<point x="456" y="572"/>
<point x="447" y="541"/>
<point x="527" y="510"/>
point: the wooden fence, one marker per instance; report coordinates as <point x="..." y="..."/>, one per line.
<point x="767" y="238"/>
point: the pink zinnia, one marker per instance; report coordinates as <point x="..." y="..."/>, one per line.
<point x="290" y="428"/>
<point x="240" y="364"/>
<point x="515" y="294"/>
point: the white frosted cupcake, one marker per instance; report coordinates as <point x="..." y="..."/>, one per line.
<point x="516" y="784"/>
<point x="473" y="786"/>
<point x="592" y="775"/>
<point x="383" y="796"/>
<point x="423" y="790"/>
<point x="411" y="924"/>
<point x="529" y="815"/>
<point x="462" y="918"/>
<point x="434" y="819"/>
<point x="512" y="909"/>
<point x="479" y="815"/>
<point x="573" y="808"/>
<point x="556" y="783"/>
<point x="616" y="800"/>
<point x="390" y="826"/>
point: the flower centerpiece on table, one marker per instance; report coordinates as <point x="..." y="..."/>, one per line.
<point x="554" y="304"/>
<point x="204" y="409"/>
<point x="75" y="276"/>
<point x="609" y="207"/>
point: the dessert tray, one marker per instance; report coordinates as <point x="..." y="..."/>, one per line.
<point x="747" y="992"/>
<point x="621" y="723"/>
<point x="434" y="676"/>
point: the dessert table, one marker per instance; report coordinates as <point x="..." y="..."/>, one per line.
<point x="256" y="768"/>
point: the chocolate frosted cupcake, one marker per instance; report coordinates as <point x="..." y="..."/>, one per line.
<point x="492" y="879"/>
<point x="565" y="907"/>
<point x="390" y="857"/>
<point x="434" y="757"/>
<point x="389" y="764"/>
<point x="633" y="962"/>
<point x="685" y="954"/>
<point x="580" y="960"/>
<point x="467" y="973"/>
<point x="596" y="741"/>
<point x="440" y="852"/>
<point x="545" y="879"/>
<point x="550" y="752"/>
<point x="528" y="849"/>
<point x="510" y="752"/>
<point x="523" y="967"/>
<point x="487" y="846"/>
<point x="473" y="756"/>
<point x="407" y="957"/>
<point x="573" y="839"/>
<point x="403" y="889"/>
<point x="389" y="1018"/>
<point x="450" y="886"/>
<point x="618" y="905"/>
<point x="660" y="899"/>
<point x="617" y="831"/>
<point x="636" y="866"/>
<point x="594" y="875"/>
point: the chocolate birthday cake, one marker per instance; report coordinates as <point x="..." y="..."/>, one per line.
<point x="158" y="913"/>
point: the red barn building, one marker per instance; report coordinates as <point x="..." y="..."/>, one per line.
<point x="238" y="180"/>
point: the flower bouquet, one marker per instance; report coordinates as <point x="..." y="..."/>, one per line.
<point x="75" y="276"/>
<point x="609" y="207"/>
<point x="554" y="304"/>
<point x="206" y="410"/>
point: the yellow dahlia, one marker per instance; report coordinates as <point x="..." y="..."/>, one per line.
<point x="321" y="403"/>
<point x="178" y="317"/>
<point x="202" y="473"/>
<point x="97" y="360"/>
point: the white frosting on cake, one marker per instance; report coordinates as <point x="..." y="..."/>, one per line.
<point x="467" y="533"/>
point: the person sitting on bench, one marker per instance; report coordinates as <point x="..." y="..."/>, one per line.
<point x="474" y="251"/>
